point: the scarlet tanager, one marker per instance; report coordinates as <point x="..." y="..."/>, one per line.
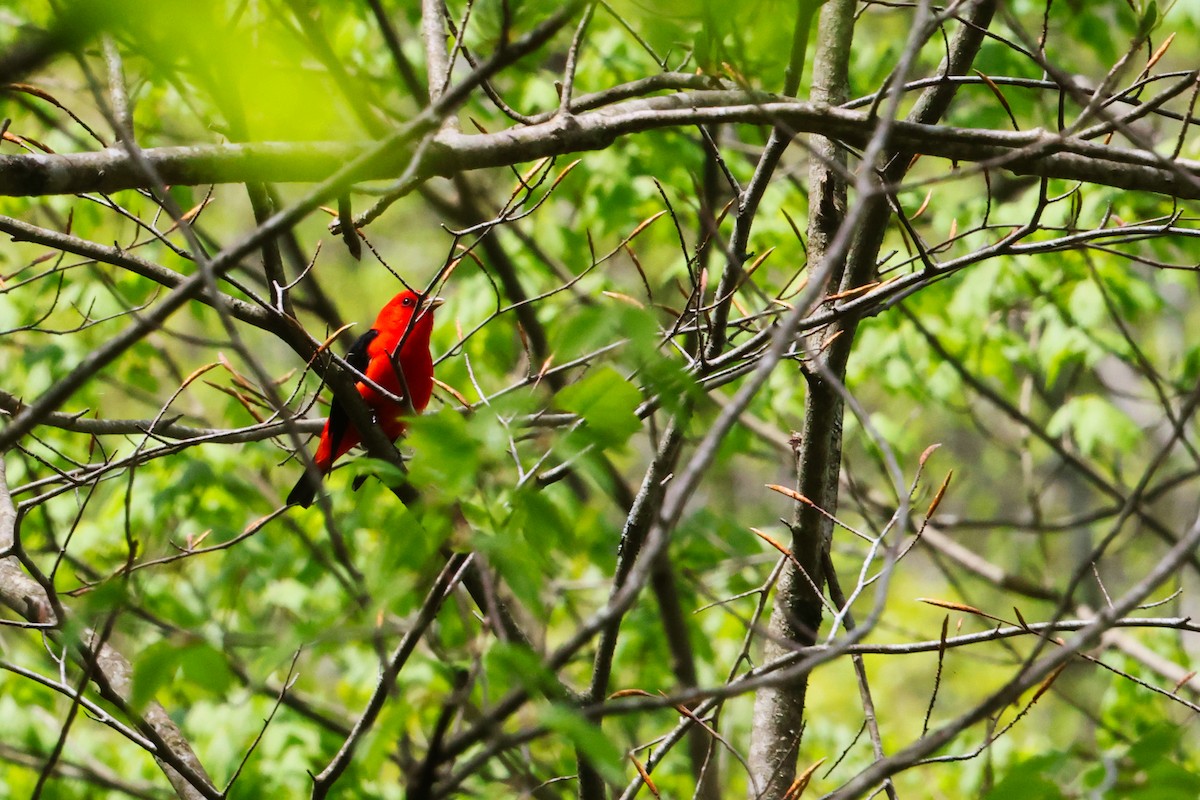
<point x="394" y="354"/>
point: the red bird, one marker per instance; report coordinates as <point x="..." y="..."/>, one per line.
<point x="394" y="354"/>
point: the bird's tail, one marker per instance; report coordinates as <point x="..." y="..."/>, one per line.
<point x="304" y="492"/>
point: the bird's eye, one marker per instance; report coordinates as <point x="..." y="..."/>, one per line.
<point x="408" y="301"/>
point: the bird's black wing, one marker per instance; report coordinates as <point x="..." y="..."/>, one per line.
<point x="305" y="490"/>
<point x="357" y="357"/>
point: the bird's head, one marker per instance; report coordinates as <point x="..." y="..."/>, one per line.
<point x="409" y="311"/>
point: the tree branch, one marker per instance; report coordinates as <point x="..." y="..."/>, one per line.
<point x="111" y="671"/>
<point x="1036" y="152"/>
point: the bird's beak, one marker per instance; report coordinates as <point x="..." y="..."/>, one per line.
<point x="433" y="302"/>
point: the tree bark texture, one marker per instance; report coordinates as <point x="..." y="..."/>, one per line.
<point x="796" y="614"/>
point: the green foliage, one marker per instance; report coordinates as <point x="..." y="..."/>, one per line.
<point x="449" y="434"/>
<point x="1152" y="768"/>
<point x="606" y="402"/>
<point x="182" y="667"/>
<point x="586" y="737"/>
<point x="1036" y="778"/>
<point x="701" y="34"/>
<point x="1093" y="423"/>
<point x="1008" y="358"/>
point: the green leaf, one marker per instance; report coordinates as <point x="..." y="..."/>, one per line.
<point x="588" y="738"/>
<point x="447" y="455"/>
<point x="288" y="593"/>
<point x="1149" y="18"/>
<point x="204" y="666"/>
<point x="1094" y="422"/>
<point x="1062" y="344"/>
<point x="1190" y="366"/>
<point x="1087" y="304"/>
<point x="1028" y="780"/>
<point x="522" y="567"/>
<point x="155" y="667"/>
<point x="518" y="665"/>
<point x="1157" y="773"/>
<point x="387" y="472"/>
<point x="607" y="401"/>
